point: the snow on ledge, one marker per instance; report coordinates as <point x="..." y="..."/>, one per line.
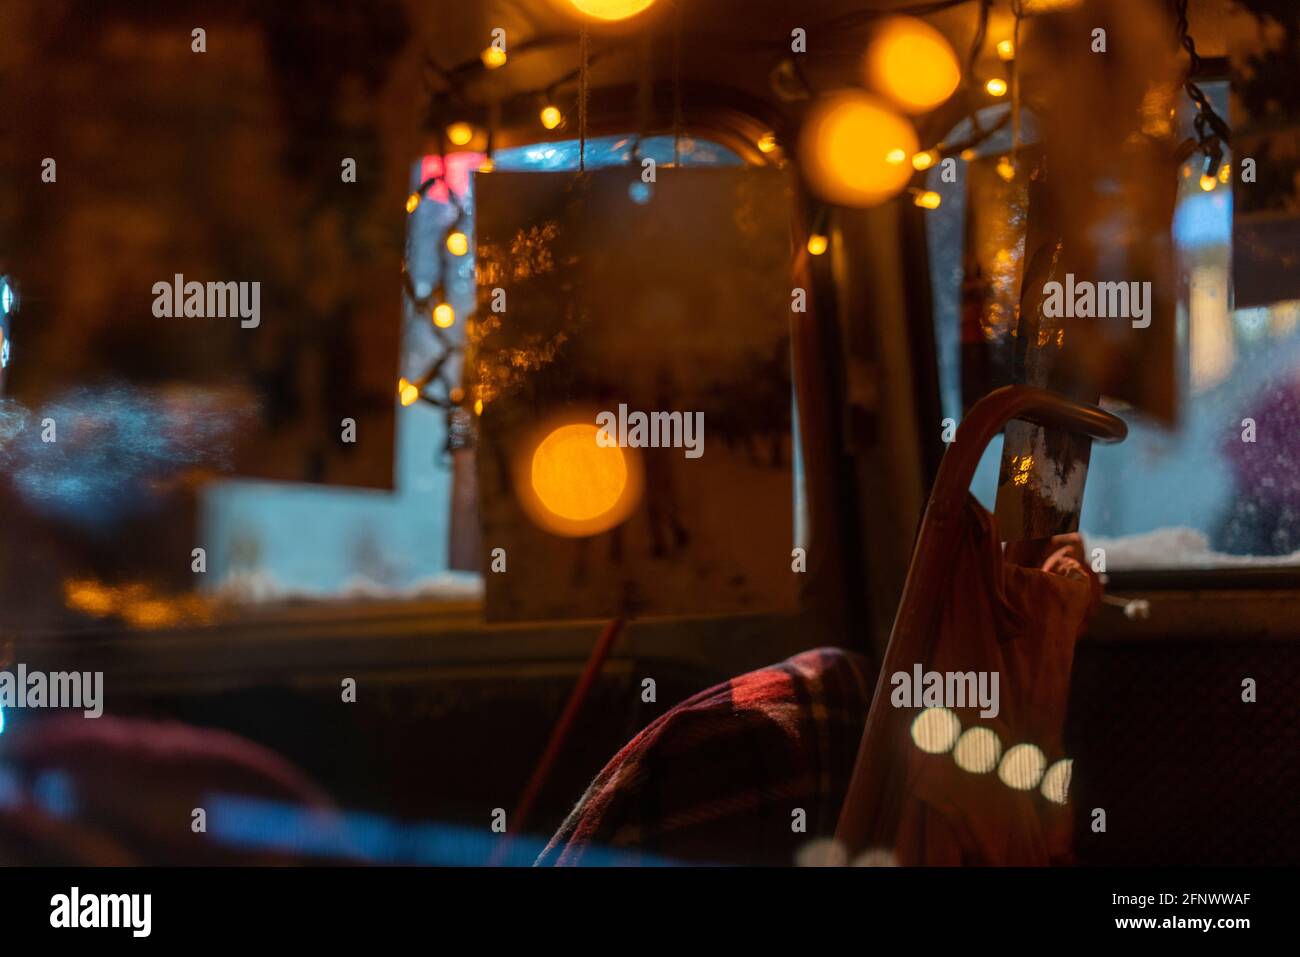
<point x="1178" y="547"/>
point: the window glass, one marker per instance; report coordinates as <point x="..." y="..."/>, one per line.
<point x="1201" y="495"/>
<point x="276" y="541"/>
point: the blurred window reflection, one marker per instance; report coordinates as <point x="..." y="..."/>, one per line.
<point x="1198" y="496"/>
<point x="277" y="541"/>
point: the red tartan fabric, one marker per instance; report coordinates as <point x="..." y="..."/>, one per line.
<point x="719" y="777"/>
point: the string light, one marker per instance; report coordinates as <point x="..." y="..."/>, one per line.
<point x="1006" y="169"/>
<point x="1006" y="50"/>
<point x="551" y="116"/>
<point x="996" y="86"/>
<point x="457" y="243"/>
<point x="927" y="199"/>
<point x="493" y="57"/>
<point x="412" y="202"/>
<point x="478" y="406"/>
<point x="818" y="244"/>
<point x="1208" y="182"/>
<point x="444" y="317"/>
<point x="1225" y="173"/>
<point x="912" y="63"/>
<point x="460" y="133"/>
<point x="895" y="156"/>
<point x="407" y="392"/>
<point x="925" y="159"/>
<point x="767" y="143"/>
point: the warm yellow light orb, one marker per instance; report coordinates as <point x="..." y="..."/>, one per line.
<point x="1006" y="50"/>
<point x="1006" y="169"/>
<point x="1208" y="182"/>
<point x="996" y="86"/>
<point x="493" y="57"/>
<point x="611" y="9"/>
<point x="1022" y="767"/>
<point x="478" y="406"/>
<point x="460" y="133"/>
<point x="912" y="63"/>
<point x="925" y="159"/>
<point x="575" y="478"/>
<point x="846" y="145"/>
<point x="457" y="243"/>
<point x="767" y="143"/>
<point x="928" y="199"/>
<point x="936" y="730"/>
<point x="818" y="244"/>
<point x="407" y="393"/>
<point x="551" y="117"/>
<point x="895" y="156"/>
<point x="444" y="317"/>
<point x="412" y="202"/>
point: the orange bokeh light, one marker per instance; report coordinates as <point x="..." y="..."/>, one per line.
<point x="573" y="486"/>
<point x="849" y="145"/>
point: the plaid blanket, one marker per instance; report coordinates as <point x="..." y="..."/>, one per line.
<point x="728" y="774"/>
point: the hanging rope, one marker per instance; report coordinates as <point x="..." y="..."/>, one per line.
<point x="584" y="89"/>
<point x="1017" y="8"/>
<point x="677" y="85"/>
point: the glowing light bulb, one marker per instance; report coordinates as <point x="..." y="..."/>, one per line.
<point x="551" y="117"/>
<point x="457" y="243"/>
<point x="895" y="156"/>
<point x="928" y="199"/>
<point x="996" y="86"/>
<point x="493" y="57"/>
<point x="912" y="63"/>
<point x="767" y="143"/>
<point x="1208" y="182"/>
<point x="611" y="9"/>
<point x="487" y="166"/>
<point x="407" y="392"/>
<point x="460" y="133"/>
<point x="478" y="406"/>
<point x="925" y="159"/>
<point x="818" y="244"/>
<point x="444" y="317"/>
<point x="1225" y="173"/>
<point x="1006" y="169"/>
<point x="845" y="146"/>
<point x="968" y="154"/>
<point x="412" y="202"/>
<point x="1006" y="50"/>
